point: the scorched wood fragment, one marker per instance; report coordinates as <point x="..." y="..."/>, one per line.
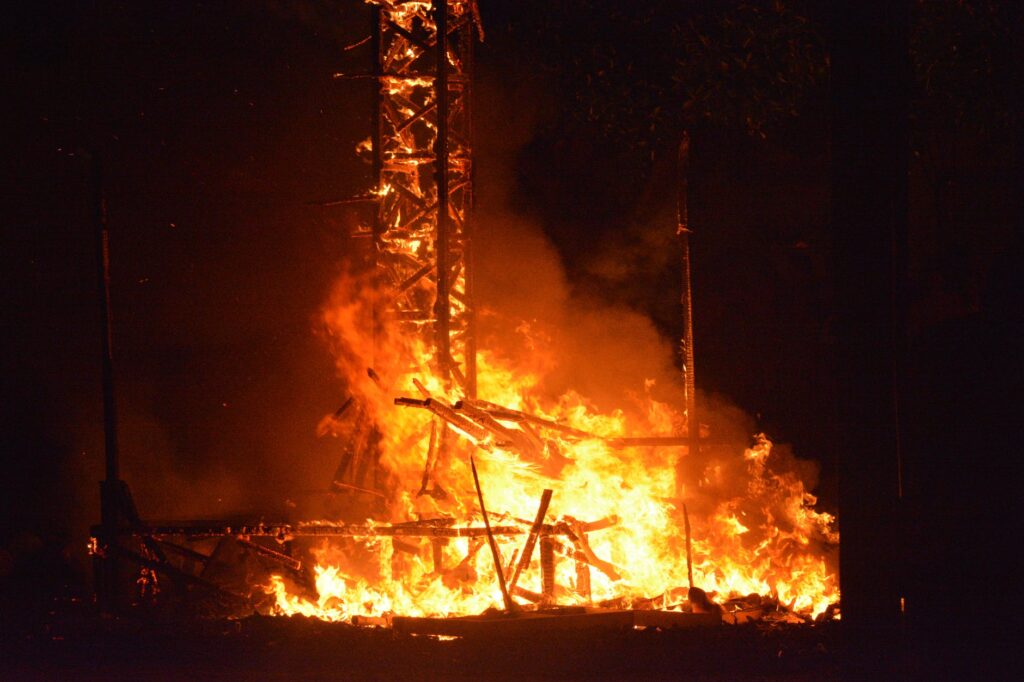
<point x="547" y="567"/>
<point x="509" y="604"/>
<point x="504" y="435"/>
<point x="507" y="414"/>
<point x="582" y="576"/>
<point x="445" y="412"/>
<point x="531" y="539"/>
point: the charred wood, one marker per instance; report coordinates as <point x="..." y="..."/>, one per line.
<point x="531" y="539"/>
<point x="505" y="435"/>
<point x="445" y="412"/>
<point x="701" y="602"/>
<point x="547" y="567"/>
<point x="509" y="604"/>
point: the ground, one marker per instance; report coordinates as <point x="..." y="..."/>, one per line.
<point x="82" y="645"/>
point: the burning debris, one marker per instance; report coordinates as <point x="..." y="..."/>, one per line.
<point x="630" y="554"/>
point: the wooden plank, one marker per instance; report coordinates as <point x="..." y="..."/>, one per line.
<point x="667" y="620"/>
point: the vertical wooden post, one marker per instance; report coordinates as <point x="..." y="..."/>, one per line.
<point x="442" y="303"/>
<point x="547" y="567"/>
<point x="582" y="576"/>
<point x="437" y="545"/>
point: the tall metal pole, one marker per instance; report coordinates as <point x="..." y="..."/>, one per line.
<point x="686" y="297"/>
<point x="111" y="506"/>
<point x="112" y="457"/>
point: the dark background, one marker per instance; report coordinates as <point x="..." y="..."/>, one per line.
<point x="219" y="124"/>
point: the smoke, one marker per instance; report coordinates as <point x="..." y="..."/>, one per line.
<point x="595" y="328"/>
<point x="605" y="352"/>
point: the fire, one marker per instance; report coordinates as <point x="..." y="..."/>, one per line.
<point x="617" y="510"/>
<point x="766" y="539"/>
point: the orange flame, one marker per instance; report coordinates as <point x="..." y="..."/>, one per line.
<point x="766" y="539"/>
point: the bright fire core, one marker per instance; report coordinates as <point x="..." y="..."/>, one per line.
<point x="754" y="530"/>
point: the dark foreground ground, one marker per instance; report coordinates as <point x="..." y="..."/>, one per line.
<point x="85" y="646"/>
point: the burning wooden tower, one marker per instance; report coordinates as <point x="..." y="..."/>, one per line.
<point x="421" y="151"/>
<point x="612" y="541"/>
<point x="422" y="159"/>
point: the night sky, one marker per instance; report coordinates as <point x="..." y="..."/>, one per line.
<point x="220" y="127"/>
